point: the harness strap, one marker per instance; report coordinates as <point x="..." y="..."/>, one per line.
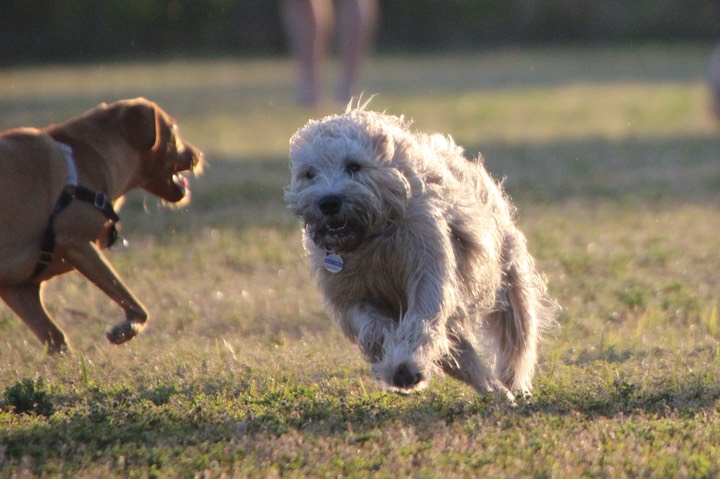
<point x="98" y="200"/>
<point x="73" y="191"/>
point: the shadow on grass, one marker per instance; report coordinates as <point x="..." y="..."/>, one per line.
<point x="689" y="395"/>
<point x="682" y="169"/>
<point x="157" y="425"/>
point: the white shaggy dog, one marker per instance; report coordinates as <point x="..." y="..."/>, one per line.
<point x="416" y="253"/>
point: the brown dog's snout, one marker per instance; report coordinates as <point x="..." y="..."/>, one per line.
<point x="193" y="158"/>
<point x="330" y="205"/>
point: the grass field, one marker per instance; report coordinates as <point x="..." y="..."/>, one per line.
<point x="613" y="161"/>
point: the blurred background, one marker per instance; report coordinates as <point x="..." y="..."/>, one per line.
<point x="84" y="30"/>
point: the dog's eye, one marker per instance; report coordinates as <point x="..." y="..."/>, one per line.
<point x="308" y="175"/>
<point x="353" y="167"/>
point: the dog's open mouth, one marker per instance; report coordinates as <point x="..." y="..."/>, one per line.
<point x="337" y="234"/>
<point x="191" y="164"/>
<point x="175" y="188"/>
<point x="181" y="172"/>
<point x="181" y="182"/>
<point x="337" y="228"/>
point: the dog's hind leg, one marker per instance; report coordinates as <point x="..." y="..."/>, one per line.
<point x="515" y="327"/>
<point x="466" y="366"/>
<point x="25" y="300"/>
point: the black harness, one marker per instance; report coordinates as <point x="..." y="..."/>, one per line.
<point x="69" y="193"/>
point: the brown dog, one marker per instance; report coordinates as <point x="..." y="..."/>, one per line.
<point x="59" y="188"/>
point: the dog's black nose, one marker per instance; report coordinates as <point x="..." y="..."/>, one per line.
<point x="329" y="205"/>
<point x="405" y="378"/>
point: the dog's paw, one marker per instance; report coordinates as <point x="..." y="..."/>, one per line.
<point x="526" y="395"/>
<point x="123" y="332"/>
<point x="497" y="390"/>
<point x="58" y="348"/>
<point x="504" y="395"/>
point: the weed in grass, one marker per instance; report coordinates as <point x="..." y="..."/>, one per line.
<point x="29" y="396"/>
<point x="711" y="321"/>
<point x="649" y="322"/>
<point x="680" y="301"/>
<point x="84" y="371"/>
<point x="160" y="394"/>
<point x="634" y="297"/>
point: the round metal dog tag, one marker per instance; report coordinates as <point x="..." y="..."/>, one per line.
<point x="333" y="262"/>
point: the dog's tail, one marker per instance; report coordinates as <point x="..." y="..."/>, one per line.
<point x="525" y="312"/>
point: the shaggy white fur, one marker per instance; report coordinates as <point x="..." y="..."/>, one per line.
<point x="416" y="252"/>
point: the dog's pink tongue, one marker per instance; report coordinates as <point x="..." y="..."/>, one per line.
<point x="182" y="181"/>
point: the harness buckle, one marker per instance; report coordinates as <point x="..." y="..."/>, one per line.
<point x="100" y="201"/>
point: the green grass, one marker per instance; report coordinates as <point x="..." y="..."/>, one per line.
<point x="612" y="159"/>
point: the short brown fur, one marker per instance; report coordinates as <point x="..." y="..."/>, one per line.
<point x="116" y="148"/>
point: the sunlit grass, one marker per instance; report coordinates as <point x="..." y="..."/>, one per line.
<point x="611" y="158"/>
<point x="628" y="110"/>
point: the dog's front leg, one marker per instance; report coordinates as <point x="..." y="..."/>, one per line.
<point x="368" y="327"/>
<point x="91" y="263"/>
<point x="26" y="301"/>
<point x="413" y="349"/>
<point x="465" y="365"/>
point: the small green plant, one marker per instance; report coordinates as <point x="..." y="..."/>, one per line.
<point x="634" y="297"/>
<point x="711" y="320"/>
<point x="29" y="397"/>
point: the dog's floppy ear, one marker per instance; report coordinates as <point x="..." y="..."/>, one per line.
<point x="139" y="124"/>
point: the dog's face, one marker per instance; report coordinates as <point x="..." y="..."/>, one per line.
<point x="344" y="186"/>
<point x="147" y="132"/>
<point x="165" y="156"/>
